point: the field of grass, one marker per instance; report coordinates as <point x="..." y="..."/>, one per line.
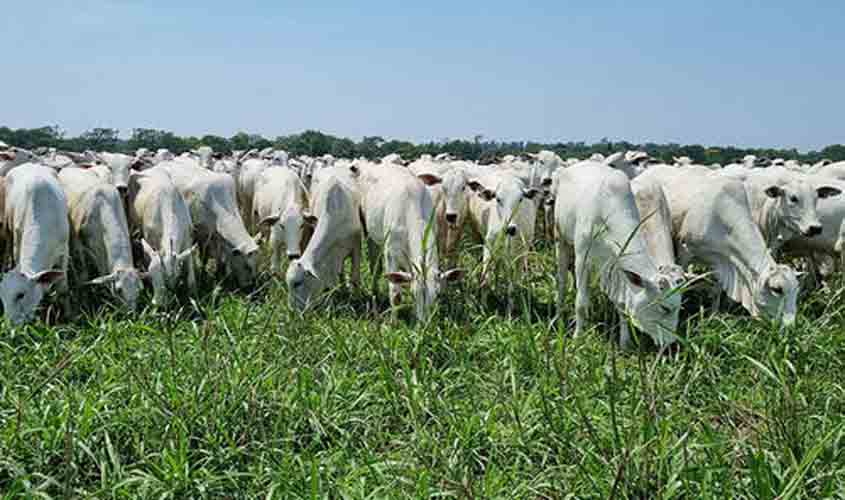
<point x="238" y="396"/>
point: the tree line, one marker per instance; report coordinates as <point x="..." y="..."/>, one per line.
<point x="314" y="143"/>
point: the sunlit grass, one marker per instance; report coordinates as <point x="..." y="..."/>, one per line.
<point x="239" y="396"/>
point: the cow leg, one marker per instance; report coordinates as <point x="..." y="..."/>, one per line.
<point x="63" y="286"/>
<point x="191" y="278"/>
<point x="564" y="256"/>
<point x="624" y="332"/>
<point x="276" y="244"/>
<point x="355" y="272"/>
<point x="375" y="265"/>
<point x="582" y="286"/>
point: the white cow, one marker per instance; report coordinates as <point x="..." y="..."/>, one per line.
<point x="397" y="209"/>
<point x="36" y="218"/>
<point x="100" y="233"/>
<point x="335" y="205"/>
<point x="598" y="221"/>
<point x="247" y="180"/>
<point x="280" y="203"/>
<point x="218" y="227"/>
<point x="12" y="158"/>
<point x="783" y="204"/>
<point x="159" y="213"/>
<point x="502" y="211"/>
<point x="712" y="224"/>
<point x="831" y="212"/>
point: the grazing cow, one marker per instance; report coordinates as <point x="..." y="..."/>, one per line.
<point x="502" y="207"/>
<point x="159" y="213"/>
<point x="397" y="209"/>
<point x="35" y="216"/>
<point x="280" y="203"/>
<point x="335" y="205"/>
<point x="218" y="227"/>
<point x="100" y="233"/>
<point x="712" y="224"/>
<point x="597" y="219"/>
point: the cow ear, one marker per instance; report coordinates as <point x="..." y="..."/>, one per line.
<point x="828" y="191"/>
<point x="269" y="220"/>
<point x="634" y="278"/>
<point x="181" y="257"/>
<point x="48" y="277"/>
<point x="474" y="185"/>
<point x="151" y="253"/>
<point x="452" y="275"/>
<point x="529" y="193"/>
<point x="430" y="179"/>
<point x="774" y="192"/>
<point x="102" y="280"/>
<point x="398" y="278"/>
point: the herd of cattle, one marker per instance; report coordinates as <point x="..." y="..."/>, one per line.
<point x="125" y="220"/>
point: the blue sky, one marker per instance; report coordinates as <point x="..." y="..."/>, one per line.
<point x="748" y="73"/>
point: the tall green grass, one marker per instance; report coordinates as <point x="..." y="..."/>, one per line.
<point x="237" y="396"/>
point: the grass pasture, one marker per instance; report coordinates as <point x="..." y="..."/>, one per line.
<point x="238" y="396"/>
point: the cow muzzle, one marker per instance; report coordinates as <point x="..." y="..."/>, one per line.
<point x="452" y="219"/>
<point x="511" y="230"/>
<point x="813" y="230"/>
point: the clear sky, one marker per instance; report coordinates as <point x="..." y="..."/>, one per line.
<point x="719" y="72"/>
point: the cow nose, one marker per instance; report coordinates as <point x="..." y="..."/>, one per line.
<point x="813" y="231"/>
<point x="122" y="189"/>
<point x="451" y="218"/>
<point x="293" y="256"/>
<point x="511" y="230"/>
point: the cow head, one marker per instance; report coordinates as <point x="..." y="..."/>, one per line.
<point x="776" y="294"/>
<point x="504" y="202"/>
<point x="653" y="304"/>
<point x="22" y="293"/>
<point x="165" y="270"/>
<point x="126" y="284"/>
<point x="303" y="284"/>
<point x="294" y="224"/>
<point x="425" y="286"/>
<point x="795" y="203"/>
<point x="242" y="262"/>
<point x="455" y="196"/>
